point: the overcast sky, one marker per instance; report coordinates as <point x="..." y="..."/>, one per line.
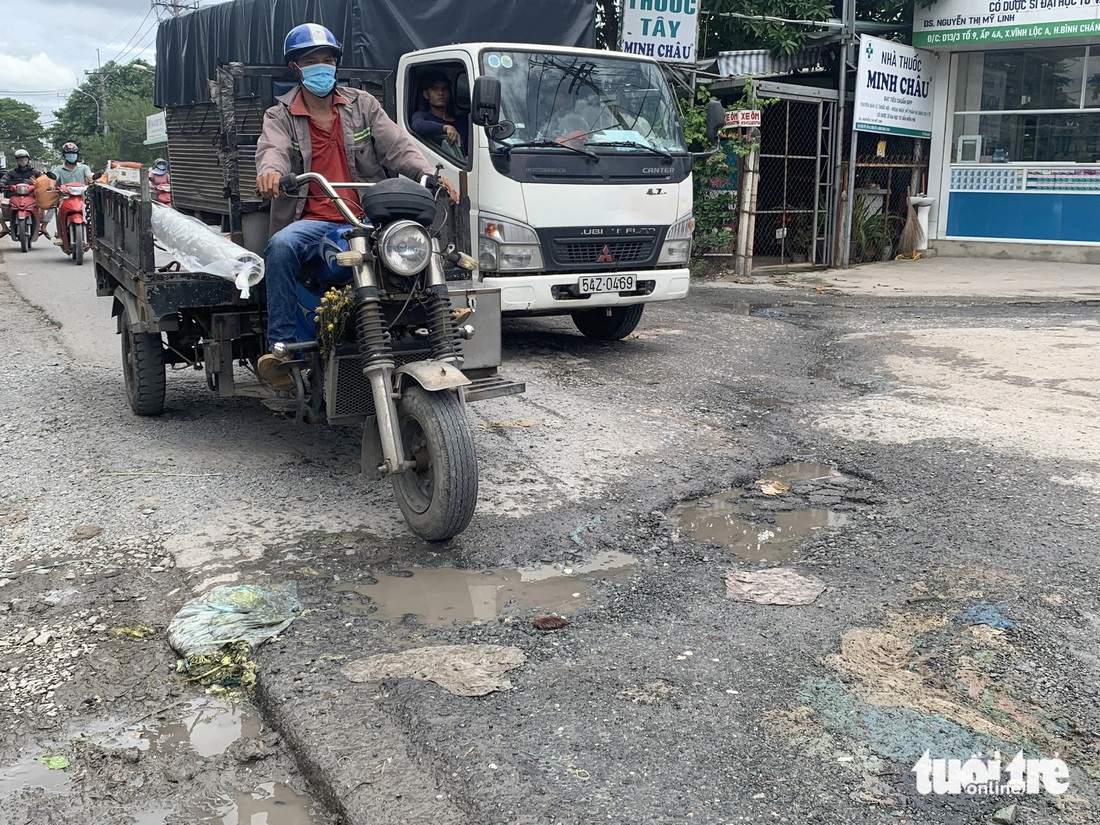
<point x="46" y="46"/>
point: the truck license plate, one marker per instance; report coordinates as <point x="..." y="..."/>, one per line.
<point x="606" y="283"/>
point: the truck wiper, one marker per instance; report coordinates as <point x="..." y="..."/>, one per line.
<point x="632" y="144"/>
<point x="553" y="144"/>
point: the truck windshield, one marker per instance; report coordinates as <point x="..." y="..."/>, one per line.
<point x="604" y="104"/>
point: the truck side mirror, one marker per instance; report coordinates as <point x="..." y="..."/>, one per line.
<point x="485" y="108"/>
<point x="716" y="119"/>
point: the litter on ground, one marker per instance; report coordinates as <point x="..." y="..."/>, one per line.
<point x="464" y="670"/>
<point x="775" y="586"/>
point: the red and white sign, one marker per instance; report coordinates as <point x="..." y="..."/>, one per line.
<point x="742" y="118"/>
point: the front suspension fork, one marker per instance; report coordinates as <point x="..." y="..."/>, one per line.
<point x="378" y="363"/>
<point x="446" y="342"/>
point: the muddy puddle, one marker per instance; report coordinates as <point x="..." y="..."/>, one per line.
<point x="728" y="519"/>
<point x="30" y="773"/>
<point x="204" y="726"/>
<point x="270" y="803"/>
<point x="444" y="595"/>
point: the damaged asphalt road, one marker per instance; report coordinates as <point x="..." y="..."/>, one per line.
<point x="940" y="465"/>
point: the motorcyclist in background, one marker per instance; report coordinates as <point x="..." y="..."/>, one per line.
<point x="71" y="171"/>
<point x="159" y="176"/>
<point x="22" y="173"/>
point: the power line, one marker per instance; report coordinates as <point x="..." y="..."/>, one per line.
<point x="36" y="92"/>
<point x="131" y="20"/>
<point x="143" y="48"/>
<point x="134" y="36"/>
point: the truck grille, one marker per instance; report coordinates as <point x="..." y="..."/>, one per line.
<point x="579" y="253"/>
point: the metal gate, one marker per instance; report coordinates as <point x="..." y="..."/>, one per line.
<point x="794" y="218"/>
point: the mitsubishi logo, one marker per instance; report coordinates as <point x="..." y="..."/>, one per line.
<point x="605" y="257"/>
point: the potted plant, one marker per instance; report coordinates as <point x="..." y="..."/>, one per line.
<point x="873" y="233"/>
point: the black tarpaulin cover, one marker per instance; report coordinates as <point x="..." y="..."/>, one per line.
<point x="374" y="33"/>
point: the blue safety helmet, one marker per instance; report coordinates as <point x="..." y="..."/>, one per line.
<point x="307" y="37"/>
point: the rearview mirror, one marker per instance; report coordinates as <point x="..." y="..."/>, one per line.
<point x="716" y="119"/>
<point x="485" y="108"/>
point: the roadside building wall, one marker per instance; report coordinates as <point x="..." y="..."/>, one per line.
<point x="1015" y="154"/>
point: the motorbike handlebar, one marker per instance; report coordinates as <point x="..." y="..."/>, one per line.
<point x="292" y="183"/>
<point x="289" y="184"/>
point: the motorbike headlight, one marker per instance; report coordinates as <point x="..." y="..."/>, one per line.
<point x="677" y="246"/>
<point x="77" y="191"/>
<point x="507" y="246"/>
<point x="405" y="247"/>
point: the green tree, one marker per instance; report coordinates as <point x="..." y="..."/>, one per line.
<point x="20" y="129"/>
<point x="111" y="129"/>
<point x="722" y="33"/>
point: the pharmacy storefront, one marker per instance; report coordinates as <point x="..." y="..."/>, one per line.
<point x="1015" y="155"/>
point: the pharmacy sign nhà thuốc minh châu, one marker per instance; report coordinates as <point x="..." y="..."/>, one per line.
<point x="662" y="29"/>
<point x="893" y="89"/>
<point x="989" y="23"/>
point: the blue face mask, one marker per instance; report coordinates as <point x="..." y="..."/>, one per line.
<point x="70" y="158"/>
<point x="320" y="78"/>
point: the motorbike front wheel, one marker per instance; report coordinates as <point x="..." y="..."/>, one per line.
<point x="76" y="241"/>
<point x="438" y="495"/>
<point x="24" y="234"/>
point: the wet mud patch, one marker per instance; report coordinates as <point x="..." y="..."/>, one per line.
<point x="198" y="760"/>
<point x="960" y="667"/>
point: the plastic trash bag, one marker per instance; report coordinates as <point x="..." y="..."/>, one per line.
<point x="248" y="613"/>
<point x="200" y="248"/>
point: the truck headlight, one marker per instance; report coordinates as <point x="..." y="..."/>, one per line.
<point x="677" y="246"/>
<point x="507" y="246"/>
<point x="405" y="247"/>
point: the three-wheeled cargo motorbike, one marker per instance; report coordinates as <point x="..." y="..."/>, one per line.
<point x="409" y="351"/>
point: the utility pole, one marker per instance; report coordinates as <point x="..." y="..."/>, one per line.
<point x="102" y="91"/>
<point x="175" y="7"/>
<point x="843" y="222"/>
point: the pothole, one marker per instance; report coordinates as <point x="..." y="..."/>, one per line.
<point x="30" y="773"/>
<point x="205" y="727"/>
<point x="443" y="595"/>
<point x="209" y="727"/>
<point x="272" y="803"/>
<point x="753" y="528"/>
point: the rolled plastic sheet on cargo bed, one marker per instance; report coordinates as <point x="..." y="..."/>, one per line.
<point x="374" y="33"/>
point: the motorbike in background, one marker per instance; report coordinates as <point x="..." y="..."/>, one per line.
<point x="72" y="227"/>
<point x="23" y="214"/>
<point x="162" y="192"/>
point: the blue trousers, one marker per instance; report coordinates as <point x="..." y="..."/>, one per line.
<point x="287" y="252"/>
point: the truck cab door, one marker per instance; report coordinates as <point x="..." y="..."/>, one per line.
<point x="420" y="81"/>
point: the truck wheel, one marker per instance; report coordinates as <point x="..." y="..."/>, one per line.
<point x="143" y="367"/>
<point x="24" y="234"/>
<point x="438" y="495"/>
<point x="611" y="324"/>
<point x="76" y="232"/>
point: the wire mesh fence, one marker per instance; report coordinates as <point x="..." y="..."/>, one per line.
<point x="795" y="184"/>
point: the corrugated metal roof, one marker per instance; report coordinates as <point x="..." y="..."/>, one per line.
<point x="761" y="62"/>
